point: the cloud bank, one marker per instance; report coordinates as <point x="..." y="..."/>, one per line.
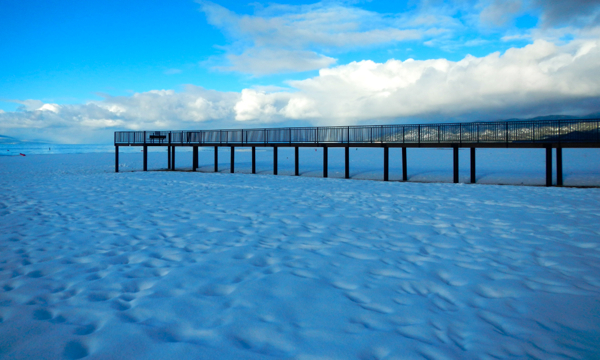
<point x="286" y="38"/>
<point x="538" y="79"/>
<point x="295" y="38"/>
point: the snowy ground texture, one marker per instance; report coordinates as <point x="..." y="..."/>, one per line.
<point x="156" y="265"/>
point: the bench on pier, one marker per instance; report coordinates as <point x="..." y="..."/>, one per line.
<point x="160" y="138"/>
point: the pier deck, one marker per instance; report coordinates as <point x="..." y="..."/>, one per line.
<point x="545" y="134"/>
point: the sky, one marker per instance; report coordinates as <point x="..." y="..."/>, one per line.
<point x="76" y="71"/>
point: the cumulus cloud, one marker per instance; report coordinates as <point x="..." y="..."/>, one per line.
<point x="500" y="12"/>
<point x="263" y="61"/>
<point x="539" y="79"/>
<point x="577" y="13"/>
<point x="293" y="38"/>
<point x="94" y="121"/>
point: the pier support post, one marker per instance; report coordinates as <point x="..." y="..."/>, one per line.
<point x="347" y="175"/>
<point x="274" y="160"/>
<point x="195" y="159"/>
<point x="473" y="179"/>
<point x="559" y="170"/>
<point x="173" y="158"/>
<point x="145" y="158"/>
<point x="386" y="163"/>
<point x="254" y="159"/>
<point x="404" y="169"/>
<point x="116" y="159"/>
<point x="169" y="157"/>
<point x="216" y="159"/>
<point x="548" y="165"/>
<point x="296" y="161"/>
<point x="455" y="162"/>
<point x="232" y="169"/>
<point x="325" y="161"/>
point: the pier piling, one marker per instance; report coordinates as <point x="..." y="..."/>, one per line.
<point x="386" y="163"/>
<point x="216" y="159"/>
<point x="473" y="179"/>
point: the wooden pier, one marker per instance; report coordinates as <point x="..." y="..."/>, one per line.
<point x="545" y="134"/>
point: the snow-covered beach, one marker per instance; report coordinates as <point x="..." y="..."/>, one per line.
<point x="160" y="264"/>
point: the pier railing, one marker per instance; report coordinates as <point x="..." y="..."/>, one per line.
<point x="509" y="132"/>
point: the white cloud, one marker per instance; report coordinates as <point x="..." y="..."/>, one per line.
<point x="539" y="79"/>
<point x="520" y="82"/>
<point x="327" y="25"/>
<point x="310" y="37"/>
<point x="29" y="104"/>
<point x="294" y="38"/>
<point x="260" y="61"/>
<point x="500" y="12"/>
<point x="579" y="13"/>
<point x="94" y="121"/>
<point x="55" y="108"/>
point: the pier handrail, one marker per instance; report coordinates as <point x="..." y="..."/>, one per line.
<point x="508" y="132"/>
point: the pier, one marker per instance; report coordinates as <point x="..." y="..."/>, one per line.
<point x="547" y="135"/>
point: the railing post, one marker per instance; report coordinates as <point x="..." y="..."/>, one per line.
<point x="169" y="157"/>
<point x="116" y="158"/>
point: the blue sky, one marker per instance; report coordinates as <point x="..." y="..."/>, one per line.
<point x="91" y="67"/>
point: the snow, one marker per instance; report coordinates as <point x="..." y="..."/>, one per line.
<point x="151" y="265"/>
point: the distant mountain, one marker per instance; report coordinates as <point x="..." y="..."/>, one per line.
<point x="558" y="117"/>
<point x="9" y="140"/>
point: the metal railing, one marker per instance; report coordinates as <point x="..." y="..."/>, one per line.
<point x="542" y="131"/>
